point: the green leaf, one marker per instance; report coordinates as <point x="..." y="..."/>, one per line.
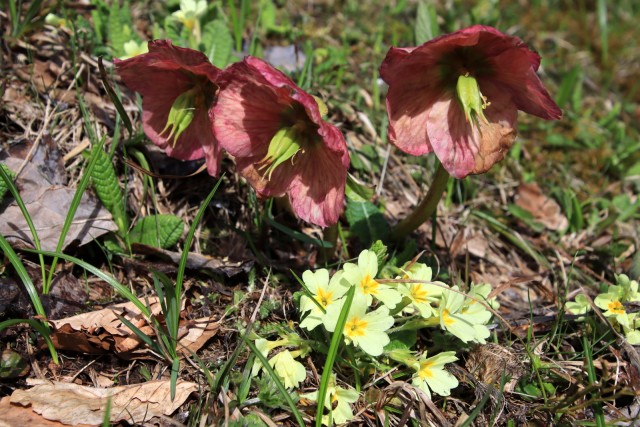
<point x="367" y="222"/>
<point x="105" y="183"/>
<point x="358" y="191"/>
<point x="381" y="251"/>
<point x="297" y="234"/>
<point x="402" y="340"/>
<point x="3" y="186"/>
<point x="426" y="23"/>
<point x="218" y="42"/>
<point x="116" y="36"/>
<point x="162" y="231"/>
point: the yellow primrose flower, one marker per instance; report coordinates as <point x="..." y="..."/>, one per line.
<point x="362" y="329"/>
<point x="431" y="375"/>
<point x="613" y="307"/>
<point x="325" y="292"/>
<point x="463" y="317"/>
<point x="579" y="306"/>
<point x="421" y="295"/>
<point x="338" y="400"/>
<point x="133" y="48"/>
<point x="363" y="276"/>
<point x="288" y="369"/>
<point x="190" y="13"/>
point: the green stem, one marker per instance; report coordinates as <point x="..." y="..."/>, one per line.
<point x="426" y="209"/>
<point x="329" y="234"/>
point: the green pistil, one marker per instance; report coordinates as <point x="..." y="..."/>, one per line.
<point x="472" y="101"/>
<point x="182" y="113"/>
<point x="284" y="145"/>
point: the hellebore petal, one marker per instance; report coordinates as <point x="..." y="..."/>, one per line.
<point x="163" y="76"/>
<point x="256" y="103"/>
<point x="469" y="123"/>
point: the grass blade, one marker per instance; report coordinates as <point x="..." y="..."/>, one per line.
<point x="42" y="329"/>
<point x="274" y="377"/>
<point x="16" y="196"/>
<point x="24" y="276"/>
<point x="187" y="245"/>
<point x="75" y="202"/>
<point x="114" y="98"/>
<point x="119" y="287"/>
<point x="593" y="380"/>
<point x="336" y="339"/>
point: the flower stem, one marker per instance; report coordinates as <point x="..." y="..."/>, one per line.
<point x="329" y="234"/>
<point x="425" y="209"/>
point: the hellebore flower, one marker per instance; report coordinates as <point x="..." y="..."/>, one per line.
<point x="458" y="96"/>
<point x="178" y="87"/>
<point x="281" y="143"/>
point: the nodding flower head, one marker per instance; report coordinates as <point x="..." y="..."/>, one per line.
<point x="458" y="96"/>
<point x="280" y="141"/>
<point x="178" y="87"/>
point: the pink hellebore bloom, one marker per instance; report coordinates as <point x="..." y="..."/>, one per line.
<point x="281" y="143"/>
<point x="178" y="87"/>
<point x="458" y="95"/>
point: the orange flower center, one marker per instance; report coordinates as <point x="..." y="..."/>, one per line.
<point x="355" y="327"/>
<point x="324" y="297"/>
<point x="425" y="370"/>
<point x="368" y="285"/>
<point x="419" y="293"/>
<point x="616" y="307"/>
<point x="448" y="320"/>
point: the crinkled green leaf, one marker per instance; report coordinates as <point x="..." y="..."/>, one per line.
<point x="218" y="42"/>
<point x="3" y="185"/>
<point x="162" y="231"/>
<point x="116" y="35"/>
<point x="107" y="187"/>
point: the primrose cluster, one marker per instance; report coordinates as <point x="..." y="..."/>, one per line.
<point x="372" y="310"/>
<point x="612" y="303"/>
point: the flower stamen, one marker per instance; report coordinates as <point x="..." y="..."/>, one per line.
<point x="472" y="100"/>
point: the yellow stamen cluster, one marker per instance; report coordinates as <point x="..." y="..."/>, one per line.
<point x="355" y="327"/>
<point x="368" y="285"/>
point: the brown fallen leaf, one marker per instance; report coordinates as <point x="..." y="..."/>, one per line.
<point x="544" y="209"/>
<point x="47" y="200"/>
<point x="101" y="331"/>
<point x="74" y="404"/>
<point x="19" y="416"/>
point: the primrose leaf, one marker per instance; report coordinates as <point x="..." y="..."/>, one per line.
<point x="218" y="42"/>
<point x="162" y="231"/>
<point x="367" y="222"/>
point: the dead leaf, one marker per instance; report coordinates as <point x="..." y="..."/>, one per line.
<point x="19" y="416"/>
<point x="544" y="209"/>
<point x="102" y="331"/>
<point x="47" y="200"/>
<point x="74" y="404"/>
